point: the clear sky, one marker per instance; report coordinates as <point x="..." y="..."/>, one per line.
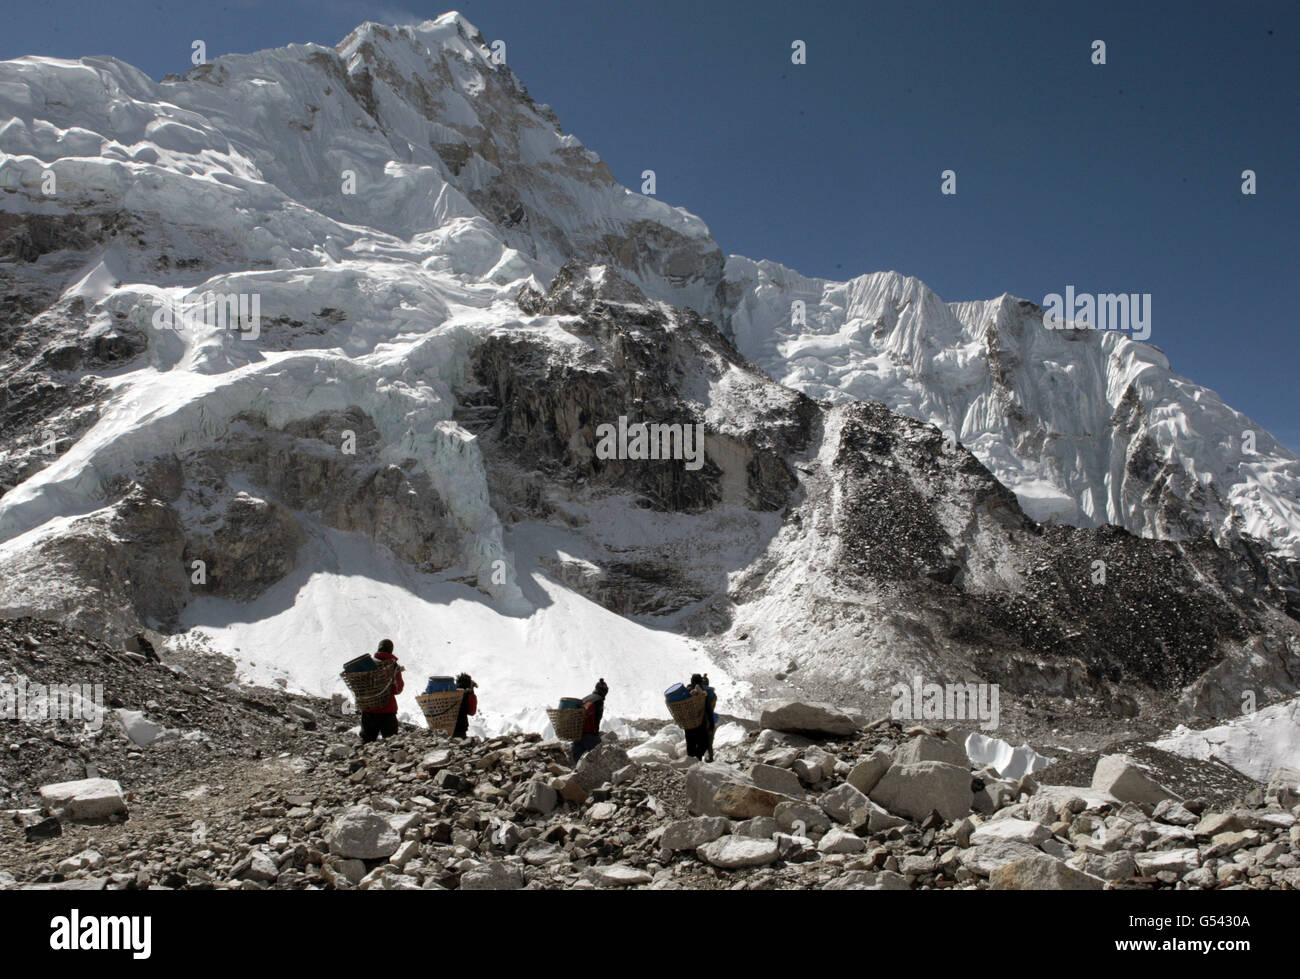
<point x="1117" y="178"/>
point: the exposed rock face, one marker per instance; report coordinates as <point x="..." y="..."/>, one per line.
<point x="917" y="790"/>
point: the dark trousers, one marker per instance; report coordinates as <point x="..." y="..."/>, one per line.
<point x="699" y="740"/>
<point x="375" y="725"/>
<point x="580" y="748"/>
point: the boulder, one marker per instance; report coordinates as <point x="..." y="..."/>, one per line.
<point x="85" y="799"/>
<point x="1175" y="814"/>
<point x="983" y="860"/>
<point x="867" y="772"/>
<point x="801" y="817"/>
<point x="493" y="875"/>
<point x="841" y="841"/>
<point x="775" y="779"/>
<point x="617" y="875"/>
<point x="1214" y="823"/>
<point x="840" y="802"/>
<point x="1042" y="873"/>
<point x="925" y="748"/>
<point x="1179" y="861"/>
<point x="917" y="790"/>
<point x="1121" y="777"/>
<point x="873" y="818"/>
<point x="702" y="784"/>
<point x="570" y="788"/>
<point x="1015" y="830"/>
<point x="801" y="718"/>
<point x="1119" y="865"/>
<point x="735" y="852"/>
<point x="540" y="797"/>
<point x="760" y="827"/>
<point x="598" y="765"/>
<point x="689" y="834"/>
<point x="1284" y="787"/>
<point x="740" y="801"/>
<point x="362" y="833"/>
<point x="864" y="880"/>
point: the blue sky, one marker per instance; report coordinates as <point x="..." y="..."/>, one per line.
<point x="1117" y="178"/>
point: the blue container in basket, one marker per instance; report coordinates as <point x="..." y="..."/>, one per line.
<point x="362" y="664"/>
<point x="440" y="684"/>
<point x="675" y="693"/>
<point x="570" y="703"/>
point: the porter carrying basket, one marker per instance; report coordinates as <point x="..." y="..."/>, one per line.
<point x="370" y="688"/>
<point x="688" y="713"/>
<point x="567" y="722"/>
<point x="441" y="709"/>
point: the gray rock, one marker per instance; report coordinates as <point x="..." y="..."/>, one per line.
<point x="689" y="834"/>
<point x="874" y="818"/>
<point x="741" y="801"/>
<point x="1179" y="861"/>
<point x="598" y="765"/>
<point x="617" y="875"/>
<point x="1042" y="873"/>
<point x="1015" y="830"/>
<point x="362" y="833"/>
<point x="702" y="783"/>
<point x="983" y="860"/>
<point x="775" y="779"/>
<point x="925" y="748"/>
<point x="1121" y="777"/>
<point x="85" y="799"/>
<point x="1284" y="787"/>
<point x="1175" y="814"/>
<point x="735" y="852"/>
<point x="760" y="827"/>
<point x="840" y="841"/>
<point x="791" y="816"/>
<point x="1119" y="865"/>
<point x="863" y="880"/>
<point x="540" y="797"/>
<point x="867" y="772"/>
<point x="801" y="718"/>
<point x="494" y="875"/>
<point x="840" y="802"/>
<point x="917" y="790"/>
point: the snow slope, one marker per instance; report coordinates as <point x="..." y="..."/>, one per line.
<point x="1254" y="744"/>
<point x="345" y="596"/>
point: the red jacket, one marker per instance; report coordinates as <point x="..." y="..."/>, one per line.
<point x="390" y="705"/>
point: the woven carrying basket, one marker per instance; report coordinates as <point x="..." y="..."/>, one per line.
<point x="689" y="713"/>
<point x="567" y="722"/>
<point x="370" y="690"/>
<point x="441" y="709"/>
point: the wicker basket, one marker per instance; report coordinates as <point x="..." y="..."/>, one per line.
<point x="567" y="722"/>
<point x="689" y="713"/>
<point x="441" y="709"/>
<point x="370" y="689"/>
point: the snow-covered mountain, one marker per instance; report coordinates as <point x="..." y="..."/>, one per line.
<point x="1086" y="427"/>
<point x="403" y="441"/>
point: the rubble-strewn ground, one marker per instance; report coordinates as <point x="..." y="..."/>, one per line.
<point x="275" y="791"/>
